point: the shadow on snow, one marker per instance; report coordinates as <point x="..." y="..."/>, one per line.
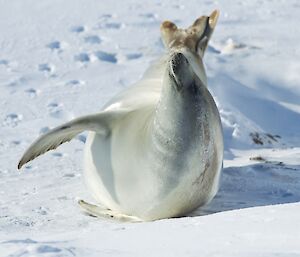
<point x="255" y="185"/>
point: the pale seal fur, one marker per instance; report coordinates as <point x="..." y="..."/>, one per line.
<point x="156" y="150"/>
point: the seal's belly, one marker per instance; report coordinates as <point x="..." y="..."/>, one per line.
<point x="115" y="168"/>
<point x="124" y="173"/>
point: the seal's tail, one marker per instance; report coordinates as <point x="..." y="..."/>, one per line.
<point x="195" y="37"/>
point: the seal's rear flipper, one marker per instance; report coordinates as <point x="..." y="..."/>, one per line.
<point x="99" y="123"/>
<point x="195" y="37"/>
<point x="98" y="211"/>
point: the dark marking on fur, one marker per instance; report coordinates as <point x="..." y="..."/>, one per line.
<point x="200" y="178"/>
<point x="65" y="127"/>
<point x="257" y="158"/>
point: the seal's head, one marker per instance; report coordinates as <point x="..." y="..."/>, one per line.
<point x="186" y="48"/>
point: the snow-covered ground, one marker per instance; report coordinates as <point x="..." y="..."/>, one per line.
<point x="63" y="59"/>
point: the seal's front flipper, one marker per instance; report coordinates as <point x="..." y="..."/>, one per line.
<point x="98" y="211"/>
<point x="100" y="123"/>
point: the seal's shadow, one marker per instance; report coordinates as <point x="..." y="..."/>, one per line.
<point x="255" y="185"/>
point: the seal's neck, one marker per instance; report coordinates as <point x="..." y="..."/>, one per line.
<point x="176" y="111"/>
<point x="196" y="63"/>
<point x="158" y="69"/>
<point x="176" y="120"/>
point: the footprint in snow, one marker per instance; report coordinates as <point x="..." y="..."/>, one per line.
<point x="106" y="23"/>
<point x="18" y="82"/>
<point x="15" y="142"/>
<point x="41" y="210"/>
<point x="57" y="154"/>
<point x="69" y="175"/>
<point x="46" y="68"/>
<point x="82" y="58"/>
<point x="179" y="6"/>
<point x="149" y="15"/>
<point x="92" y="39"/>
<point x="55" y="110"/>
<point x="34" y="248"/>
<point x="31" y="92"/>
<point x="10" y="66"/>
<point x="113" y="25"/>
<point x="4" y="62"/>
<point x="106" y="57"/>
<point x="13" y="119"/>
<point x="55" y="45"/>
<point x="85" y="58"/>
<point x="133" y="56"/>
<point x="77" y="29"/>
<point x="229" y="47"/>
<point x="106" y="16"/>
<point x="44" y="130"/>
<point x="75" y="83"/>
<point x="20" y="241"/>
<point x="109" y="25"/>
<point x="44" y="249"/>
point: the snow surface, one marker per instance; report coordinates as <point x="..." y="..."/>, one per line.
<point x="63" y="59"/>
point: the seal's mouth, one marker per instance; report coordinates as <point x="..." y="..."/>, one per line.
<point x="175" y="80"/>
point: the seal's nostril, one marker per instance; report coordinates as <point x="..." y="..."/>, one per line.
<point x="178" y="57"/>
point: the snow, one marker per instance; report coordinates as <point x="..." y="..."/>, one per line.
<point x="60" y="60"/>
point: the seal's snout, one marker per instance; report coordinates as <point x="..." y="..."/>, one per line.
<point x="180" y="70"/>
<point x="178" y="63"/>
